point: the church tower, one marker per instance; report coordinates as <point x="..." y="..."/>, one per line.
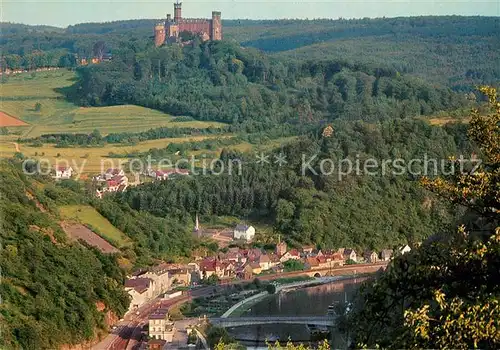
<point x="197" y="224"/>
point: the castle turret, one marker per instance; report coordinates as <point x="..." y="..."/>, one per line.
<point x="216" y="26"/>
<point x="177" y="11"/>
<point x="159" y="34"/>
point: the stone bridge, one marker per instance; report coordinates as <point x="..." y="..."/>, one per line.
<point x="327" y="321"/>
<point x="331" y="271"/>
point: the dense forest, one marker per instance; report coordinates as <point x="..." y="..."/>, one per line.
<point x="225" y="82"/>
<point x="444" y="294"/>
<point x="364" y="211"/>
<point x="452" y="51"/>
<point x="49" y="286"/>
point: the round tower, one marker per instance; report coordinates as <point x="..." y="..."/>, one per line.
<point x="159" y="34"/>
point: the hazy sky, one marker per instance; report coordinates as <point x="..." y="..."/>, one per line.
<point x="65" y="12"/>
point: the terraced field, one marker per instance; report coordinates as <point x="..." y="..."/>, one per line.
<point x="89" y="217"/>
<point x="35" y="99"/>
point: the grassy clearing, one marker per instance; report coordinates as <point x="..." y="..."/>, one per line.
<point x="444" y="121"/>
<point x="88" y="216"/>
<point x="267" y="146"/>
<point x="21" y="93"/>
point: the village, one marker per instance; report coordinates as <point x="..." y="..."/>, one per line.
<point x="168" y="281"/>
<point x="114" y="179"/>
<point x="238" y="258"/>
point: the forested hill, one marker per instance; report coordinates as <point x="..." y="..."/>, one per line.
<point x="225" y="82"/>
<point x="451" y="50"/>
<point x="50" y="287"/>
<point x="53" y="288"/>
<point x="357" y="210"/>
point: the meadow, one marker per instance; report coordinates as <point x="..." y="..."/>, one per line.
<point x="34" y="98"/>
<point x="88" y="216"/>
<point x="87" y="160"/>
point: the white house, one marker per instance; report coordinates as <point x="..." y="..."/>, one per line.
<point x="112" y="172"/>
<point x="63" y="172"/>
<point x="404" y="249"/>
<point x="160" y="325"/>
<point x="141" y="290"/>
<point x="244" y="232"/>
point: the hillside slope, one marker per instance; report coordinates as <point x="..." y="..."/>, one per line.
<point x="51" y="288"/>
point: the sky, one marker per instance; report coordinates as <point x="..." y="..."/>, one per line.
<point x="62" y="13"/>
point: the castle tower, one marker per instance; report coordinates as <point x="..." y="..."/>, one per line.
<point x="216" y="26"/>
<point x="177" y="12"/>
<point x="159" y="34"/>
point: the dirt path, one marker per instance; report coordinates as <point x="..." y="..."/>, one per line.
<point x="78" y="231"/>
<point x="16" y="145"/>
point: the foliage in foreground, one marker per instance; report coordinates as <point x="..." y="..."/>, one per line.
<point x="445" y="294"/>
<point x="276" y="346"/>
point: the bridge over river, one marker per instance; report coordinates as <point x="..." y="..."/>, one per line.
<point x="325" y="321"/>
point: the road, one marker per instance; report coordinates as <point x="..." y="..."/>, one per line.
<point x="128" y="331"/>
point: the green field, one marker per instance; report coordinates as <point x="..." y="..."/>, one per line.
<point x="21" y="93"/>
<point x="87" y="215"/>
<point x="89" y="160"/>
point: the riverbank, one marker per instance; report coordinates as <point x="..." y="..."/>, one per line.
<point x="239" y="308"/>
<point x="311" y="300"/>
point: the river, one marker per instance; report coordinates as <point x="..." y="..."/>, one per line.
<point x="309" y="301"/>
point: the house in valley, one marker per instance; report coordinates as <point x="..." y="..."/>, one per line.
<point x="264" y="262"/>
<point x="213" y="266"/>
<point x="244" y="232"/>
<point x="140" y="290"/>
<point x="386" y="254"/>
<point x="311" y="263"/>
<point x="370" y="256"/>
<point x="307" y="250"/>
<point x="160" y="276"/>
<point x="256" y="269"/>
<point x="181" y="276"/>
<point x="61" y="173"/>
<point x="112" y="172"/>
<point x="292" y="254"/>
<point x="350" y="254"/>
<point x="404" y="249"/>
<point x="244" y="272"/>
<point x="160" y="325"/>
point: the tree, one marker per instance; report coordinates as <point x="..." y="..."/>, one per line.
<point x="271" y="288"/>
<point x="445" y="294"/>
<point x="38" y="107"/>
<point x="216" y="335"/>
<point x="212" y="279"/>
<point x="293" y="265"/>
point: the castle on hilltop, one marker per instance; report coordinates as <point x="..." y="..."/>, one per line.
<point x="169" y="30"/>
